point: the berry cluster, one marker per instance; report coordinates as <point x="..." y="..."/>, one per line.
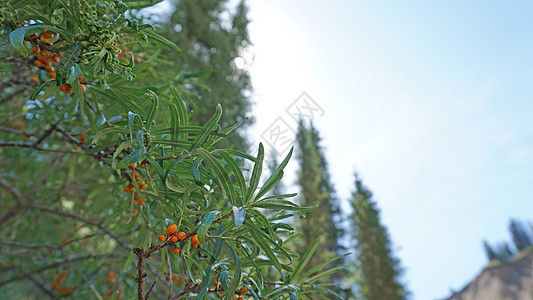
<point x="175" y="236"/>
<point x="130" y="188"/>
<point x="45" y="60"/>
<point x="238" y="293"/>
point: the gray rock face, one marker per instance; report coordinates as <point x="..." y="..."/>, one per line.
<point x="507" y="281"/>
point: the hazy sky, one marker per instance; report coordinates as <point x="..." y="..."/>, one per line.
<point x="430" y="101"/>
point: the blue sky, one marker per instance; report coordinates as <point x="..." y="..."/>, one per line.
<point x="430" y="101"/>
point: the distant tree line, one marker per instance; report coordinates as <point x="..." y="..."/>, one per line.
<point x="522" y="240"/>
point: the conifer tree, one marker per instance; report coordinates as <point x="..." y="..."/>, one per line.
<point x="491" y="254"/>
<point x="521" y="238"/>
<point x="379" y="270"/>
<point x="213" y="41"/>
<point x="315" y="188"/>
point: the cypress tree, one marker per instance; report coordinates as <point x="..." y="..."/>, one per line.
<point x="491" y="254"/>
<point x="213" y="40"/>
<point x="315" y="188"/>
<point x="521" y="238"/>
<point x="378" y="269"/>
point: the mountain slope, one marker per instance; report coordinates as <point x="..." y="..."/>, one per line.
<point x="511" y="280"/>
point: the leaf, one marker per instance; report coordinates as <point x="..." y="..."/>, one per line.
<point x="221" y="175"/>
<point x="16" y="37"/>
<point x="154" y="108"/>
<point x="236" y="172"/>
<point x="256" y="174"/>
<point x="67" y="62"/>
<point x="194" y="170"/>
<point x="121" y="147"/>
<point x="276" y="176"/>
<point x="280" y="204"/>
<point x="174" y="124"/>
<point x="236" y="276"/>
<point x="40" y="88"/>
<point x="204" y="133"/>
<point x="239" y="213"/>
<point x="263" y="244"/>
<point x="318" y="267"/>
<point x="130" y="159"/>
<point x="207" y="220"/>
<point x="153" y="36"/>
<point x="305" y="258"/>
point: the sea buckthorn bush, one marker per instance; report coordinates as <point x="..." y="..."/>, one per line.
<point x="108" y="190"/>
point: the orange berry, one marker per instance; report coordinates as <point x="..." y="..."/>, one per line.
<point x="135" y="202"/>
<point x="47" y="53"/>
<point x="223" y="295"/>
<point x="162" y="238"/>
<point x="135" y="174"/>
<point x="137" y="60"/>
<point x="34" y="49"/>
<point x="195" y="239"/>
<point x="172" y="228"/>
<point x="135" y="211"/>
<point x="38" y="63"/>
<point x="240" y="298"/>
<point x="174" y="239"/>
<point x="176" y="250"/>
<point x="52" y="74"/>
<point x="181" y="236"/>
<point x="168" y="233"/>
<point x="243" y="290"/>
<point x="60" y="52"/>
<point x="81" y="79"/>
<point x="46" y="62"/>
<point x="133" y="166"/>
<point x="34" y="79"/>
<point x="49" y="69"/>
<point x="83" y="88"/>
<point x="175" y="277"/>
<point x="68" y="89"/>
<point x="143" y="185"/>
<point x="47" y="35"/>
<point x="55" y="59"/>
<point x="128" y="189"/>
<point x="195" y="245"/>
<point x="63" y="87"/>
<point x="141" y="200"/>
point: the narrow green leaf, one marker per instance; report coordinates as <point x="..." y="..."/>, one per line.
<point x="236" y="276"/>
<point x="154" y="108"/>
<point x="221" y="175"/>
<point x="194" y="170"/>
<point x="206" y="129"/>
<point x="153" y="36"/>
<point x="305" y="258"/>
<point x="318" y="267"/>
<point x="133" y="157"/>
<point x="276" y="176"/>
<point x="207" y="220"/>
<point x="263" y="244"/>
<point x="256" y="174"/>
<point x="67" y="62"/>
<point x="237" y="173"/>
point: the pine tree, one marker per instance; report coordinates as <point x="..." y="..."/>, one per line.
<point x="315" y="188"/>
<point x="212" y="38"/>
<point x="379" y="270"/>
<point x="521" y="238"/>
<point x="491" y="254"/>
